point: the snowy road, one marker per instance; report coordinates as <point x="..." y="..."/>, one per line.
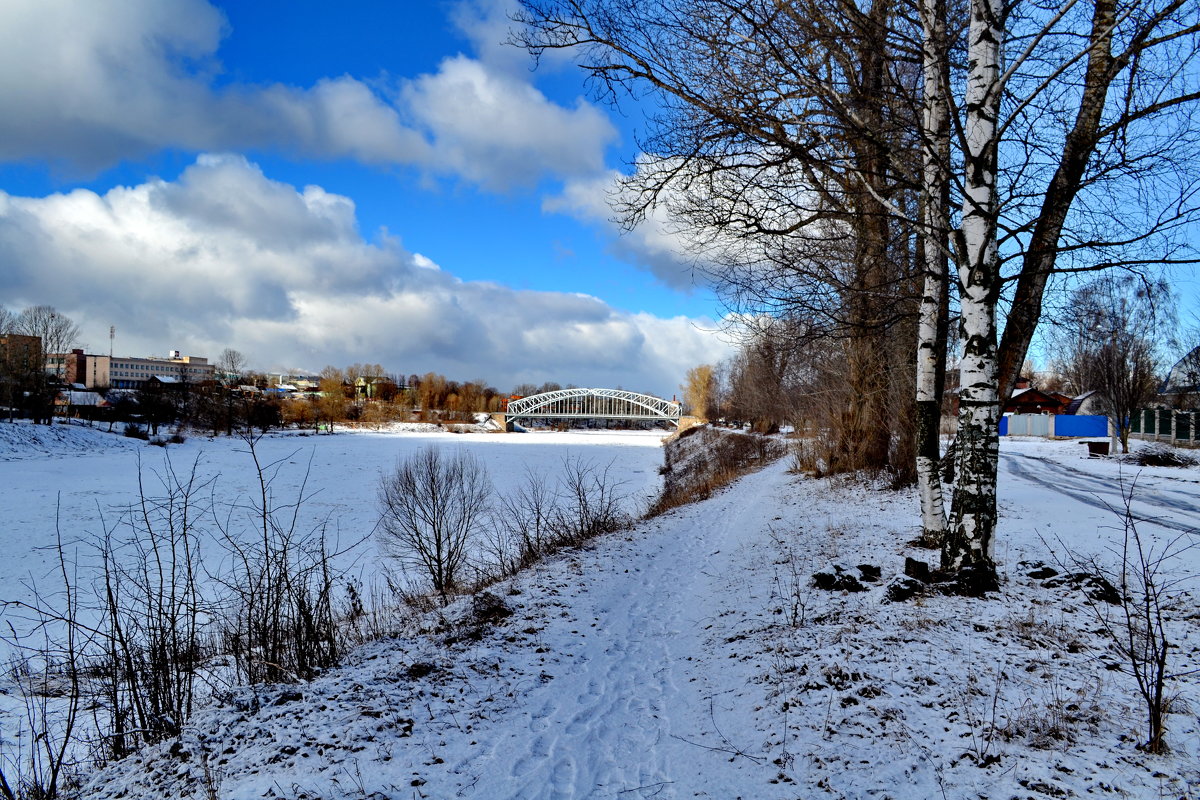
<point x="1168" y="501"/>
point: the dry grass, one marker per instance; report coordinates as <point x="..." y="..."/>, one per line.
<point x="704" y="459"/>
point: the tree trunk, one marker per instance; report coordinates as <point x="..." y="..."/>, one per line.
<point x="1042" y="253"/>
<point x="969" y="541"/>
<point x="933" y="318"/>
<point x="867" y="429"/>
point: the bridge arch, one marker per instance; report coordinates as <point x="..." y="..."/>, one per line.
<point x="593" y="404"/>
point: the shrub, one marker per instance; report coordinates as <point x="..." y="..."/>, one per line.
<point x="709" y="460"/>
<point x="431" y="509"/>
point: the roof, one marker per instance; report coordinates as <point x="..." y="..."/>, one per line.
<point x="1185" y="375"/>
<point x="1073" y="406"/>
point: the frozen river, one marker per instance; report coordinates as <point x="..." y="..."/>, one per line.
<point x="84" y="479"/>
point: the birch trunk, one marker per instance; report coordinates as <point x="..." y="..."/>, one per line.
<point x="968" y="543"/>
<point x="933" y="315"/>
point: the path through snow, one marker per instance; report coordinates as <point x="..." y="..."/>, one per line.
<point x="640" y="695"/>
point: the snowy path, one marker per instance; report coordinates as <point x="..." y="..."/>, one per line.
<point x="634" y="704"/>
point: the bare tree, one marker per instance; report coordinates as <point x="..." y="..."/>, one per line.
<point x="57" y="332"/>
<point x="1135" y="615"/>
<point x="699" y="391"/>
<point x="332" y="403"/>
<point x="231" y="364"/>
<point x="1110" y="339"/>
<point x="431" y="510"/>
<point x="782" y="137"/>
<point x="1077" y="154"/>
<point x="818" y="169"/>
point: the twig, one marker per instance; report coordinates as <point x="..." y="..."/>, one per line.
<point x="659" y="786"/>
<point x="729" y="746"/>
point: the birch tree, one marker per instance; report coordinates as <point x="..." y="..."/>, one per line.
<point x="1052" y="133"/>
<point x="933" y="256"/>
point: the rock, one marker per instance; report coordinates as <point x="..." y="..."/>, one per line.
<point x="916" y="569"/>
<point x="903" y="588"/>
<point x="1042" y="572"/>
<point x="1095" y="587"/>
<point x="837" y="580"/>
<point x="969" y="582"/>
<point x="870" y="572"/>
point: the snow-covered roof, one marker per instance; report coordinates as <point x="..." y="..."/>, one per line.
<point x="83" y="398"/>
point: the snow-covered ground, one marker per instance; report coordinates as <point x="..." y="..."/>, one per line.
<point x="692" y="657"/>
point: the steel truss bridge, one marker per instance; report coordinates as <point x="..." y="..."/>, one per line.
<point x="593" y="404"/>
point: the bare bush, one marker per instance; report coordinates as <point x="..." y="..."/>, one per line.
<point x="151" y="612"/>
<point x="695" y="469"/>
<point x="278" y="618"/>
<point x="526" y="515"/>
<point x="50" y="678"/>
<point x="128" y="632"/>
<point x="1158" y="455"/>
<point x="1136" y="628"/>
<point x="432" y="508"/>
<point x="590" y="503"/>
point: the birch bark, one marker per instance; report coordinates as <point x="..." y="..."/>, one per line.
<point x="968" y="543"/>
<point x="933" y="316"/>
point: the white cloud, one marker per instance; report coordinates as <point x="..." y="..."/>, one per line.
<point x="90" y="84"/>
<point x="224" y="257"/>
<point x="653" y="245"/>
<point x="499" y="131"/>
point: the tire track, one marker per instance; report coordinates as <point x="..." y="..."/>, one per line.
<point x="1093" y="491"/>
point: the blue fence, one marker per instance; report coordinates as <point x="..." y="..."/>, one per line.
<point x="1068" y="425"/>
<point x="1065" y="425"/>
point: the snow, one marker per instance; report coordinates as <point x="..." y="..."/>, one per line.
<point x="691" y="656"/>
<point x="80" y="475"/>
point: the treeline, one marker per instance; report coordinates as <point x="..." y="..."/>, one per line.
<point x="364" y="394"/>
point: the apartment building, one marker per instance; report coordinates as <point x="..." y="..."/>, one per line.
<point x="117" y="372"/>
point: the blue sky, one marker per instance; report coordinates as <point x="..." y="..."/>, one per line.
<point x="324" y="183"/>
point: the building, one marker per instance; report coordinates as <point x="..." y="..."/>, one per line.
<point x="1033" y="401"/>
<point x="117" y="372"/>
<point x="18" y="351"/>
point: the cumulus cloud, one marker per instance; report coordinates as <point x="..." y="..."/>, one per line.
<point x="492" y="128"/>
<point x="96" y="83"/>
<point x="224" y="256"/>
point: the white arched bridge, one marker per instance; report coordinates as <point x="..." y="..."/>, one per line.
<point x="593" y="404"/>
